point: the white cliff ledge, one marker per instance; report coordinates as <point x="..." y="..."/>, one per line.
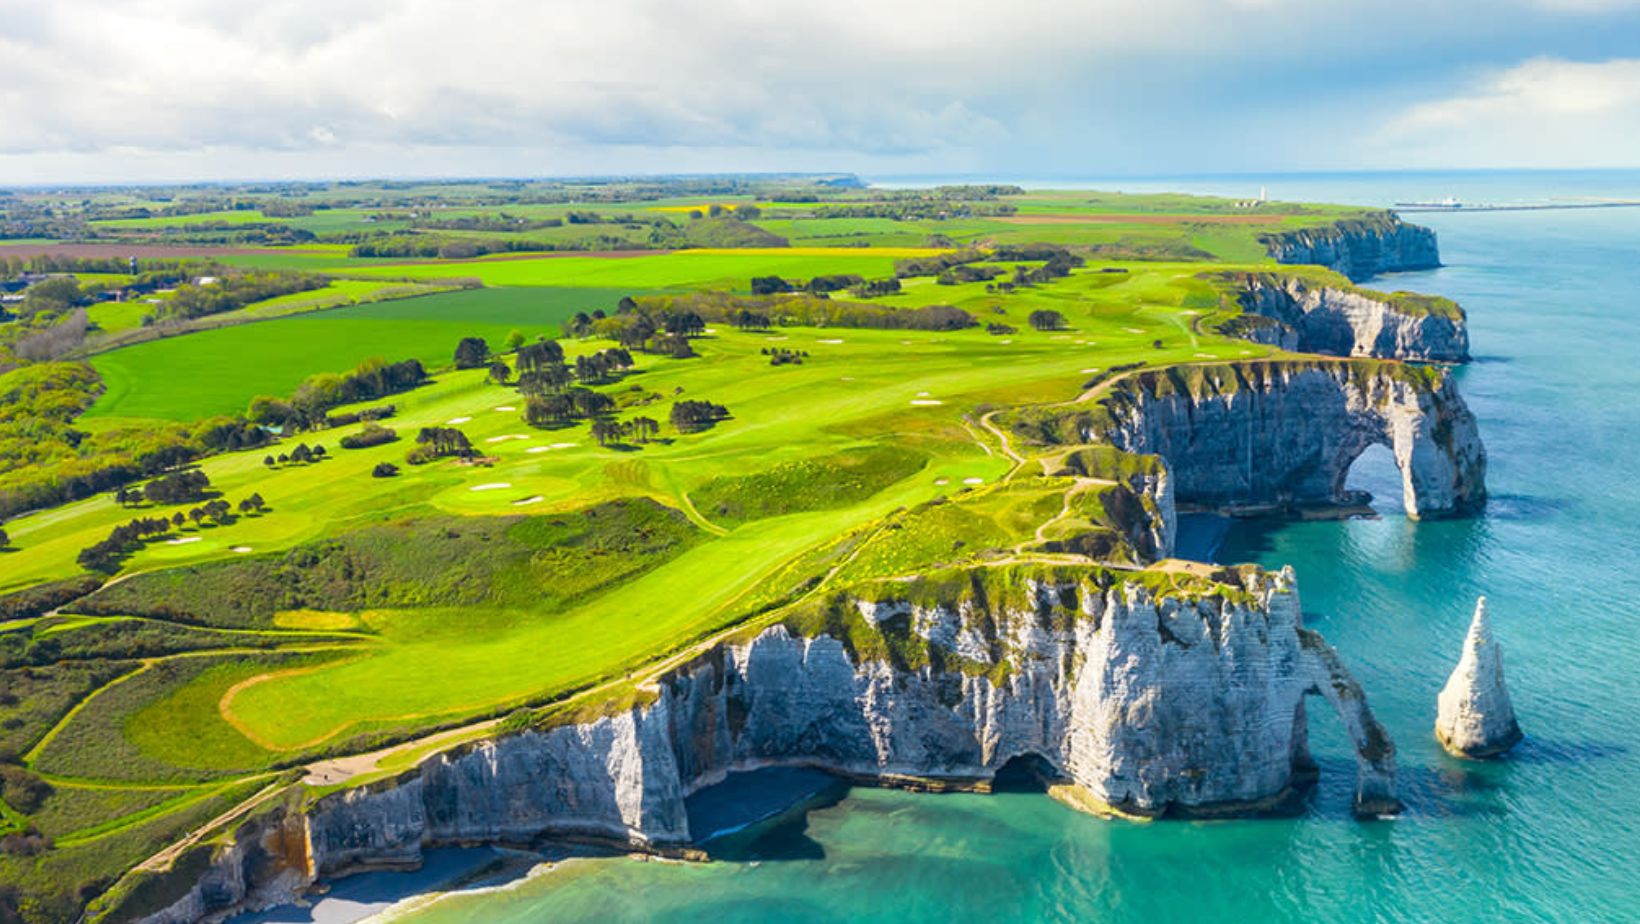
<point x="1269" y="434"/>
<point x="1476" y="717"/>
<point x="1359" y="247"/>
<point x="1327" y="315"/>
<point x="1146" y="694"/>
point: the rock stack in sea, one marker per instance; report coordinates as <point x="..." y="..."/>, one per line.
<point x="1476" y="718"/>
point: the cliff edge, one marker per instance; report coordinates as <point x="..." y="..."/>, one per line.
<point x="1359" y="247"/>
<point x="1147" y="693"/>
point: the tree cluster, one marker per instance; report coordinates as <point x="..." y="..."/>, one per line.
<point x="439" y="442"/>
<point x="371" y="435"/>
<point x="968" y="273"/>
<point x="781" y="357"/>
<point x="471" y="353"/>
<point x="812" y="311"/>
<point x="177" y="488"/>
<point x="232" y="290"/>
<point x="937" y="264"/>
<point x="303" y="454"/>
<point x="608" y="432"/>
<point x="1046" y="320"/>
<point x="373" y="378"/>
<point x="694" y="416"/>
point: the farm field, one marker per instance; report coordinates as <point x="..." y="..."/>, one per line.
<point x="374" y="595"/>
<point x="228" y="367"/>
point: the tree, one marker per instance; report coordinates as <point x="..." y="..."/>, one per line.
<point x="5" y="540"/>
<point x="472" y="352"/>
<point x="499" y="372"/>
<point x="645" y="428"/>
<point x="515" y="339"/>
<point x="1047" y="320"/>
<point x="197" y="515"/>
<point x="256" y="502"/>
<point x="384" y="470"/>
<point x="268" y="460"/>
<point x="179" y="519"/>
<point x="605" y="431"/>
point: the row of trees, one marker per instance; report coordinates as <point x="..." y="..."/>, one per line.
<point x="371" y="435"/>
<point x="642" y="429"/>
<point x="301" y="455"/>
<point x="373" y="378"/>
<point x="107" y="555"/>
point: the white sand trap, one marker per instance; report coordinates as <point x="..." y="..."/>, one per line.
<point x="779" y="338"/>
<point x="1205" y="356"/>
<point x="492" y="486"/>
<point x="942" y="481"/>
<point x="457" y="420"/>
<point x="505" y="408"/>
<point x="1090" y="370"/>
<point x="1004" y="341"/>
<point x="527" y="501"/>
<point x="1134" y="330"/>
<point x="1247" y="352"/>
<point x="509" y="436"/>
<point x="241" y="549"/>
<point x="828" y="341"/>
<point x="183" y="540"/>
<point x="973" y="481"/>
<point x="709" y="330"/>
<point x="535" y="449"/>
<point x="926" y="402"/>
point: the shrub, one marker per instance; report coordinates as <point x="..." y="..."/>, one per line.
<point x="384" y="470"/>
<point x="371" y="435"/>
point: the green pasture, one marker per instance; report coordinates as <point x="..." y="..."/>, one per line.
<point x="219" y="371"/>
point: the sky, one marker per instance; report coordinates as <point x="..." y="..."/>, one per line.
<point x="102" y="91"/>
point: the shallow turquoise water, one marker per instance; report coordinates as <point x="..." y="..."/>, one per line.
<point x="1551" y="834"/>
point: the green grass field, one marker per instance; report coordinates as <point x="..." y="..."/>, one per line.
<point x="219" y="371"/>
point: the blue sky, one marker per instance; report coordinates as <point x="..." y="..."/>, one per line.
<point x="117" y="90"/>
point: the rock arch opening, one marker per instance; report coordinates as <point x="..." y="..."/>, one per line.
<point x="1373" y="478"/>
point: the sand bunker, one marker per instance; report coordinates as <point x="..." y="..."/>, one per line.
<point x="509" y="436"/>
<point x="457" y="420"/>
<point x="973" y="481"/>
<point x="535" y="449"/>
<point x="828" y="341"/>
<point x="183" y="540"/>
<point x="926" y="402"/>
<point x="505" y="408"/>
<point x="942" y="481"/>
<point x="241" y="549"/>
<point x="492" y="486"/>
<point x="528" y="500"/>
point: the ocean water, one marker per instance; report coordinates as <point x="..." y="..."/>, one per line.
<point x="1551" y="834"/>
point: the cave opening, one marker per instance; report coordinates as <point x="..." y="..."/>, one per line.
<point x="1028" y="772"/>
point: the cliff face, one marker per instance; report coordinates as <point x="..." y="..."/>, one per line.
<point x="1285" y="433"/>
<point x="1359" y="248"/>
<point x="1349" y="322"/>
<point x="1148" y="702"/>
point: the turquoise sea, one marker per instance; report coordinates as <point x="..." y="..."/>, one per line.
<point x="1552" y="834"/>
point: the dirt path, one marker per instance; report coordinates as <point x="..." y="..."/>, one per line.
<point x="162" y="861"/>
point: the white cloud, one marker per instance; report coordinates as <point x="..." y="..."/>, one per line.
<point x="1029" y="85"/>
<point x="1541" y="112"/>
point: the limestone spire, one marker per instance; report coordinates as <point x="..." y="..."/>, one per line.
<point x="1475" y="718"/>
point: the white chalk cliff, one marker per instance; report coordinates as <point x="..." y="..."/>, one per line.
<point x="1268" y="434"/>
<point x="1304" y="316"/>
<point x="1359" y="248"/>
<point x="1476" y="717"/>
<point x="1141" y="696"/>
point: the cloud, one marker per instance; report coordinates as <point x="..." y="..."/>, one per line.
<point x="1540" y="112"/>
<point x="1031" y="86"/>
